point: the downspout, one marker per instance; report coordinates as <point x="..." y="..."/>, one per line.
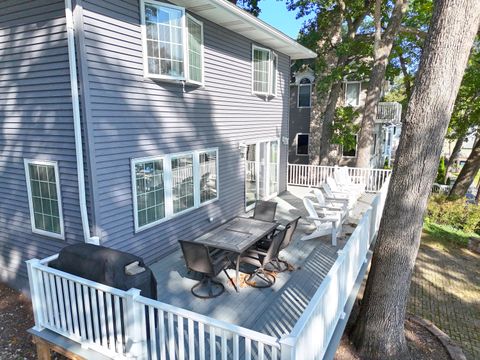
<point x="77" y="125"/>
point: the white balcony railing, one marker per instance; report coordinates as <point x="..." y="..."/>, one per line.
<point x="314" y="175"/>
<point x="123" y="324"/>
<point x="389" y="112"/>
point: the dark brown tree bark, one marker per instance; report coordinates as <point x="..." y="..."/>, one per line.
<point x="379" y="331"/>
<point x="328" y="153"/>
<point x="383" y="47"/>
<point x="454" y="155"/>
<point x="467" y="174"/>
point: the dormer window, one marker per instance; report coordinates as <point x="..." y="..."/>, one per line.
<point x="304" y="93"/>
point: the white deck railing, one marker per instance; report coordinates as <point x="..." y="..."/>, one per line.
<point x="314" y="329"/>
<point x="314" y="175"/>
<point x="123" y="324"/>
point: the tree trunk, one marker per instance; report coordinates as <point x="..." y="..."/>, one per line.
<point x="379" y="331"/>
<point x="383" y="47"/>
<point x="477" y="197"/>
<point x="467" y="174"/>
<point x="327" y="152"/>
<point x="454" y="155"/>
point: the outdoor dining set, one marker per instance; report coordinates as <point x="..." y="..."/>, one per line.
<point x="258" y="240"/>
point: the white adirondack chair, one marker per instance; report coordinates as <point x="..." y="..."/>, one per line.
<point x="344" y="181"/>
<point x="330" y="204"/>
<point x="325" y="223"/>
<point x="343" y="197"/>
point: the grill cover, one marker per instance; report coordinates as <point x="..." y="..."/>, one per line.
<point x="106" y="266"/>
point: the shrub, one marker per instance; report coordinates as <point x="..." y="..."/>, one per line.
<point x="442" y="171"/>
<point x="457" y="213"/>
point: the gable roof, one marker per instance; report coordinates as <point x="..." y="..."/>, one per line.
<point x="239" y="21"/>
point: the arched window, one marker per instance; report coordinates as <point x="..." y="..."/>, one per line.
<point x="304" y="93"/>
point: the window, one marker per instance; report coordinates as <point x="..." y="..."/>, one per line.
<point x="265" y="64"/>
<point x="150" y="191"/>
<point x="195" y="50"/>
<point x="352" y="93"/>
<point x="302" y="144"/>
<point x="208" y="176"/>
<point x="304" y="93"/>
<point x="182" y="183"/>
<point x="45" y="202"/>
<point x="351" y="152"/>
<point x="166" y="186"/>
<point x="168" y="52"/>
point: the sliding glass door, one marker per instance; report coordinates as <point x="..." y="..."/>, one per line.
<point x="261" y="171"/>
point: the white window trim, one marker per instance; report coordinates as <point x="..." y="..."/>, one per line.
<point x="26" y="162"/>
<point x="298" y="96"/>
<point x="273" y="70"/>
<point x="187" y="72"/>
<point x="359" y="92"/>
<point x="168" y="195"/>
<point x="270" y="69"/>
<point x="144" y="42"/>
<point x="296" y="144"/>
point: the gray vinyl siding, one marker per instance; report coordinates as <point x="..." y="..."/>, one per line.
<point x="299" y="123"/>
<point x="132" y="117"/>
<point x="36" y="123"/>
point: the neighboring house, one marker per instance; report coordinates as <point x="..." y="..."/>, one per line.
<point x="133" y="124"/>
<point x="387" y="126"/>
<point x="465" y="151"/>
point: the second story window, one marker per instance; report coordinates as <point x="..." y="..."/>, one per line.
<point x="352" y="93"/>
<point x="265" y="64"/>
<point x="304" y="93"/>
<point x="173" y="43"/>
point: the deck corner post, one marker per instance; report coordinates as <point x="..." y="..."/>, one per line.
<point x="135" y="327"/>
<point x="35" y="283"/>
<point x="288" y="347"/>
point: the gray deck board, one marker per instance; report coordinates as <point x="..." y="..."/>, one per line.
<point x="274" y="310"/>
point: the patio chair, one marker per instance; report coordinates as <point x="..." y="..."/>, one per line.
<point x="336" y="188"/>
<point x="330" y="204"/>
<point x="349" y="199"/>
<point x="265" y="210"/>
<point x="344" y="180"/>
<point x="278" y="264"/>
<point x="209" y="263"/>
<point x="326" y="223"/>
<point x="261" y="258"/>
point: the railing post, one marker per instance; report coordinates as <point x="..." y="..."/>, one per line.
<point x="287" y="348"/>
<point x="135" y="327"/>
<point x="35" y="283"/>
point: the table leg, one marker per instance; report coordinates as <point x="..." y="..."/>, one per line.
<point x="237" y="274"/>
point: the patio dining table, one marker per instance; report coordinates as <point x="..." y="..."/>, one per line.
<point x="237" y="235"/>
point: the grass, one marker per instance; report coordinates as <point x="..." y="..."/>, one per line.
<point x="446" y="233"/>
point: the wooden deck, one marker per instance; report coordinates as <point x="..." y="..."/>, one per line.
<point x="274" y="310"/>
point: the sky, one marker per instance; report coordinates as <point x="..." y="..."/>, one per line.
<point x="275" y="13"/>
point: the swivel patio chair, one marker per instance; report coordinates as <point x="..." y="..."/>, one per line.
<point x="326" y="223"/>
<point x="265" y="210"/>
<point x="260" y="259"/>
<point x="200" y="259"/>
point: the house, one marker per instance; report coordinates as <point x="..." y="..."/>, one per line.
<point x="354" y="92"/>
<point x="135" y="123"/>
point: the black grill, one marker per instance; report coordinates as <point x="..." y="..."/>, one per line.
<point x="106" y="266"/>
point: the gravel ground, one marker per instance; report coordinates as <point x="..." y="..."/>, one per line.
<point x="15" y="318"/>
